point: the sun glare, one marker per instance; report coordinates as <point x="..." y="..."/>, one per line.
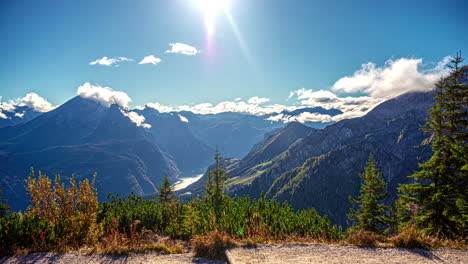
<point x="211" y="9"/>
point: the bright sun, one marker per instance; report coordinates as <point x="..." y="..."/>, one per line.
<point x="211" y="9"/>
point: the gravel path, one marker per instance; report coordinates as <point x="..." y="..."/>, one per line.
<point x="43" y="258"/>
<point x="318" y="253"/>
<point x="282" y="254"/>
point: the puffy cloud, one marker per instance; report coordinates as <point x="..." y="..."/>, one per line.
<point x="105" y="61"/>
<point x="350" y="106"/>
<point x="150" y="60"/>
<point x="394" y="78"/>
<point x="161" y="108"/>
<point x="8" y="106"/>
<point x="20" y="115"/>
<point x="302" y="118"/>
<point x="104" y="95"/>
<point x="139" y="120"/>
<point x="181" y="48"/>
<point x="32" y="100"/>
<point x="36" y="102"/>
<point x="257" y="100"/>
<point x="226" y="106"/>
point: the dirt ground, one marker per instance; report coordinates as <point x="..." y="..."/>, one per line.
<point x="281" y="254"/>
<point x="318" y="253"/>
<point x="49" y="258"/>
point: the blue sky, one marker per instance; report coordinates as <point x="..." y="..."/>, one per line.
<point x="288" y="45"/>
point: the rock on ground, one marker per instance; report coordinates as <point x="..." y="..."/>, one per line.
<point x="318" y="253"/>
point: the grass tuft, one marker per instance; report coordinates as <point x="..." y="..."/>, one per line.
<point x="366" y="239"/>
<point x="213" y="245"/>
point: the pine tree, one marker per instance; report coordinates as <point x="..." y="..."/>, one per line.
<point x="166" y="191"/>
<point x="371" y="214"/>
<point x="441" y="187"/>
<point x="215" y="185"/>
<point x="4" y="208"/>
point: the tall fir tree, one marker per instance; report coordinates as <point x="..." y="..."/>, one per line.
<point x="371" y="214"/>
<point x="215" y="185"/>
<point x="441" y="187"/>
<point x="165" y="191"/>
<point x="168" y="200"/>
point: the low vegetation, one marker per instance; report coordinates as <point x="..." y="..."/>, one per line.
<point x="431" y="212"/>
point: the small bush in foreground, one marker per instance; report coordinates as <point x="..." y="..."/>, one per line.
<point x="212" y="245"/>
<point x="411" y="238"/>
<point x="366" y="239"/>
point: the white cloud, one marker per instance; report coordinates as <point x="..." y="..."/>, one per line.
<point x="161" y="108"/>
<point x="394" y="78"/>
<point x="183" y="119"/>
<point x="257" y="100"/>
<point x="104" y="95"/>
<point x="350" y="106"/>
<point x="105" y="61"/>
<point x="37" y="103"/>
<point x="181" y="48"/>
<point x="139" y="120"/>
<point x="150" y="60"/>
<point x="20" y="115"/>
<point x="379" y="84"/>
<point x="302" y="118"/>
<point x="32" y="100"/>
<point x="8" y="106"/>
<point x="237" y="106"/>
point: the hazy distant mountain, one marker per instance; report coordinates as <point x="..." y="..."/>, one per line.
<point x="82" y="137"/>
<point x="322" y="169"/>
<point x="172" y="133"/>
<point x="233" y="133"/>
<point x="19" y="114"/>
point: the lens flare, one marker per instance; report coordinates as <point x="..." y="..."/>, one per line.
<point x="211" y="9"/>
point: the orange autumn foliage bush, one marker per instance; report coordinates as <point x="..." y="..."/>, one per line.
<point x="71" y="209"/>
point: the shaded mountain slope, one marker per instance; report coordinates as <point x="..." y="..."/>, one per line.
<point x="245" y="170"/>
<point x="172" y="133"/>
<point x="83" y="137"/>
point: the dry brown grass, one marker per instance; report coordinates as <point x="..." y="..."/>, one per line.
<point x="412" y="238"/>
<point x="163" y="248"/>
<point x="117" y="243"/>
<point x="366" y="239"/>
<point x="213" y="245"/>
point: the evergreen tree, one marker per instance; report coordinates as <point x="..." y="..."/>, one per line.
<point x="215" y="185"/>
<point x="441" y="187"/>
<point x="166" y="191"/>
<point x="371" y="214"/>
<point x="168" y="200"/>
<point x="402" y="214"/>
<point x="3" y="207"/>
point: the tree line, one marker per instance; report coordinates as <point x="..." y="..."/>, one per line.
<point x="436" y="203"/>
<point x="68" y="216"/>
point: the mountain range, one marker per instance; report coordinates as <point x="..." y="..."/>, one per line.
<point x="84" y="136"/>
<point x="320" y="168"/>
<point x="306" y="166"/>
